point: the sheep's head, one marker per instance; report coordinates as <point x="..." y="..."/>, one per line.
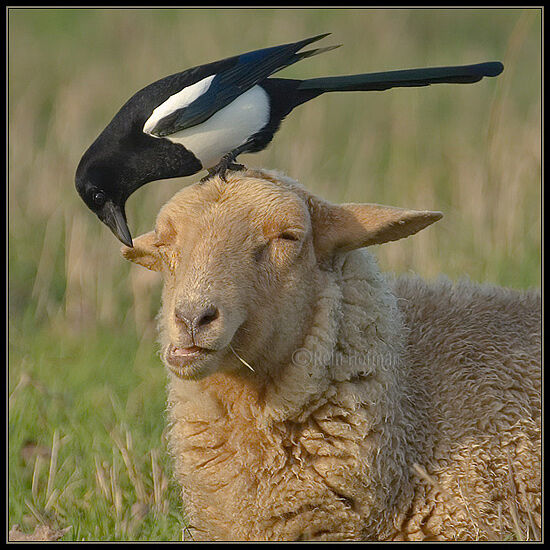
<point x="242" y="261"/>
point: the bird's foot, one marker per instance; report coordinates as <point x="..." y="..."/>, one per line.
<point x="225" y="164"/>
<point x="211" y="174"/>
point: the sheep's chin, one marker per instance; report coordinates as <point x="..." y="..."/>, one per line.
<point x="190" y="372"/>
<point x="196" y="369"/>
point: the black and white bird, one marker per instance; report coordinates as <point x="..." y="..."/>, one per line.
<point x="204" y="117"/>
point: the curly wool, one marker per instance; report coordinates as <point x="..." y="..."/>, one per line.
<point x="475" y="351"/>
<point x="416" y="415"/>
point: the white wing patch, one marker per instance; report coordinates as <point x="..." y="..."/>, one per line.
<point x="177" y="101"/>
<point x="226" y="129"/>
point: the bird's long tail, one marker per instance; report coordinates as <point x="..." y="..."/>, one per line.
<point x="464" y="74"/>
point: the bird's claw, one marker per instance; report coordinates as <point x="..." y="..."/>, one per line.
<point x="208" y="176"/>
<point x="225" y="164"/>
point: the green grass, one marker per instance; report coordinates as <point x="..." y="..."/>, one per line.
<point x="86" y="389"/>
<point x="86" y="436"/>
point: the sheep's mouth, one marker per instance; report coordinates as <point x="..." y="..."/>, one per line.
<point x="184" y="361"/>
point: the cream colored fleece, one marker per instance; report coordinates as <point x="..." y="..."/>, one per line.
<point x="410" y="411"/>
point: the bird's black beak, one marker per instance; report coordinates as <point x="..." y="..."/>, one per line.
<point x="114" y="218"/>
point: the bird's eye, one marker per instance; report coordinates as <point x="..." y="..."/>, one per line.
<point x="99" y="198"/>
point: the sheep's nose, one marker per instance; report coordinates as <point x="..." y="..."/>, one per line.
<point x="195" y="318"/>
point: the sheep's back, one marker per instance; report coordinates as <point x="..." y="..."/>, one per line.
<point x="474" y="359"/>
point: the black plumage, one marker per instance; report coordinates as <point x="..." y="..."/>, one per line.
<point x="204" y="117"/>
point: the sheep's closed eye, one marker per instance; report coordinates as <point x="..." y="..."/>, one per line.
<point x="291" y="234"/>
<point x="286" y="237"/>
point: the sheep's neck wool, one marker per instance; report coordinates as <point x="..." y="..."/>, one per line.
<point x="261" y="435"/>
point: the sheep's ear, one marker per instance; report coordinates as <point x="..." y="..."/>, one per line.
<point x="144" y="252"/>
<point x="350" y="226"/>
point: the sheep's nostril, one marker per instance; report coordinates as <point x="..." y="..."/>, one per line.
<point x="211" y="313"/>
<point x="181" y="318"/>
<point x="194" y="318"/>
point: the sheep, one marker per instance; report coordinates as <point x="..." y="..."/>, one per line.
<point x="312" y="397"/>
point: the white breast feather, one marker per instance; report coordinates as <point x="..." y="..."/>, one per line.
<point x="226" y="129"/>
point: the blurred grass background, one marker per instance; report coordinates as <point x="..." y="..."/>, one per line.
<point x="86" y="401"/>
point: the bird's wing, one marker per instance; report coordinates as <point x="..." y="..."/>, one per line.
<point x="217" y="92"/>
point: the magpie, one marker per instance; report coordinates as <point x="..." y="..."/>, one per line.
<point x="206" y="116"/>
